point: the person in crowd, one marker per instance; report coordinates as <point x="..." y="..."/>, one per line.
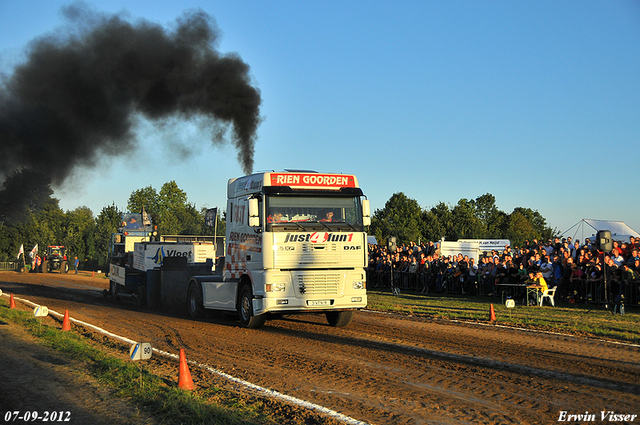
<point x="578" y="271"/>
<point x="546" y="268"/>
<point x="548" y="248"/>
<point x="617" y="258"/>
<point x="575" y="249"/>
<point x="630" y="283"/>
<point x="470" y="282"/>
<point x="536" y="280"/>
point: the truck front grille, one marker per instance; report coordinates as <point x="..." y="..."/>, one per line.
<point x="317" y="284"/>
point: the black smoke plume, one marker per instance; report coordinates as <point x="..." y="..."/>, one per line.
<point x="77" y="96"/>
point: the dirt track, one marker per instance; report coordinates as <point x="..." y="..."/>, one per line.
<point x="381" y="369"/>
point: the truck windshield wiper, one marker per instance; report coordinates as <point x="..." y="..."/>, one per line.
<point x="319" y="222"/>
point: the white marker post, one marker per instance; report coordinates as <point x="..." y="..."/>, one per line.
<point x="40" y="311"/>
<point x="510" y="304"/>
<point x="140" y="351"/>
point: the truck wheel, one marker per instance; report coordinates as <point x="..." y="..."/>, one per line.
<point x="141" y="296"/>
<point x="113" y="289"/>
<point x="194" y="301"/>
<point x="340" y="319"/>
<point x="245" y="310"/>
<point x="64" y="267"/>
<point x="45" y="267"/>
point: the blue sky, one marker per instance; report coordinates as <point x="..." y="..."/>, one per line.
<point x="537" y="103"/>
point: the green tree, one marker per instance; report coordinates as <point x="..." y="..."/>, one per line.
<point x="169" y="209"/>
<point x="106" y="223"/>
<point x="440" y="218"/>
<point x="47" y="227"/>
<point x="401" y="217"/>
<point x="465" y="224"/>
<point x="524" y="223"/>
<point x="519" y="228"/>
<point x="177" y="216"/>
<point x="432" y="228"/>
<point x="146" y="198"/>
<point x="488" y="214"/>
<point x="79" y="229"/>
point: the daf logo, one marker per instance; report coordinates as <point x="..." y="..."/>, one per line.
<point x="351" y="248"/>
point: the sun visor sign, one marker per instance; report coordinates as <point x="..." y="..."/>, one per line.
<point x="313" y="181"/>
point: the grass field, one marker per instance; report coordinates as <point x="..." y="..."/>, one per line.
<point x="578" y="319"/>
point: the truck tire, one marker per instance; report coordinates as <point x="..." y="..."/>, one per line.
<point x="113" y="290"/>
<point x="141" y="296"/>
<point x="194" y="301"/>
<point x="340" y="319"/>
<point x="245" y="309"/>
<point x="64" y="267"/>
<point x="45" y="267"/>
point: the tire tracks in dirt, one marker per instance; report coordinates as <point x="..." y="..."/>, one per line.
<point x="390" y="369"/>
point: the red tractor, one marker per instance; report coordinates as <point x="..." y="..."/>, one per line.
<point x="55" y="259"/>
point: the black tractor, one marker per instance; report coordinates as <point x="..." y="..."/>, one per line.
<point x="56" y="259"/>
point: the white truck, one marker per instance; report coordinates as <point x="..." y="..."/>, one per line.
<point x="295" y="243"/>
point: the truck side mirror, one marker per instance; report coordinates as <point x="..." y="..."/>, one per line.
<point x="254" y="212"/>
<point x="366" y="212"/>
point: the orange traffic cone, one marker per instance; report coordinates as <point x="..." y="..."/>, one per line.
<point x="93" y="274"/>
<point x="492" y="314"/>
<point x="184" y="379"/>
<point x="12" y="302"/>
<point x="66" y="326"/>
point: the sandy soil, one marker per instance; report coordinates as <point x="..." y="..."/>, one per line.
<point x="381" y="369"/>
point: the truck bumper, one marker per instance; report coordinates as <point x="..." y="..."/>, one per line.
<point x="296" y="305"/>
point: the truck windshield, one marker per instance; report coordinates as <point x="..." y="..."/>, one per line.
<point x="314" y="211"/>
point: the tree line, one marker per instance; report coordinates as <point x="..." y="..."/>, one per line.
<point x="478" y="218"/>
<point x="29" y="215"/>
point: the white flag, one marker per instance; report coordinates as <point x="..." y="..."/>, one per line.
<point x="34" y="251"/>
<point x="146" y="221"/>
<point x="21" y="251"/>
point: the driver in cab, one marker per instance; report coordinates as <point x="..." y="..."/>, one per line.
<point x="275" y="217"/>
<point x="328" y="216"/>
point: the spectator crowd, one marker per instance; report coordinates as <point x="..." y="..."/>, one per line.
<point x="579" y="271"/>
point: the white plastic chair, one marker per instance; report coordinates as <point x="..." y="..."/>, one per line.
<point x="549" y="293"/>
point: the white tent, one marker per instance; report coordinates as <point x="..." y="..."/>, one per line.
<point x="587" y="228"/>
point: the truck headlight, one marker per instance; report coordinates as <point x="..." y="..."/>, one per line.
<point x="275" y="287"/>
<point x="359" y="285"/>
